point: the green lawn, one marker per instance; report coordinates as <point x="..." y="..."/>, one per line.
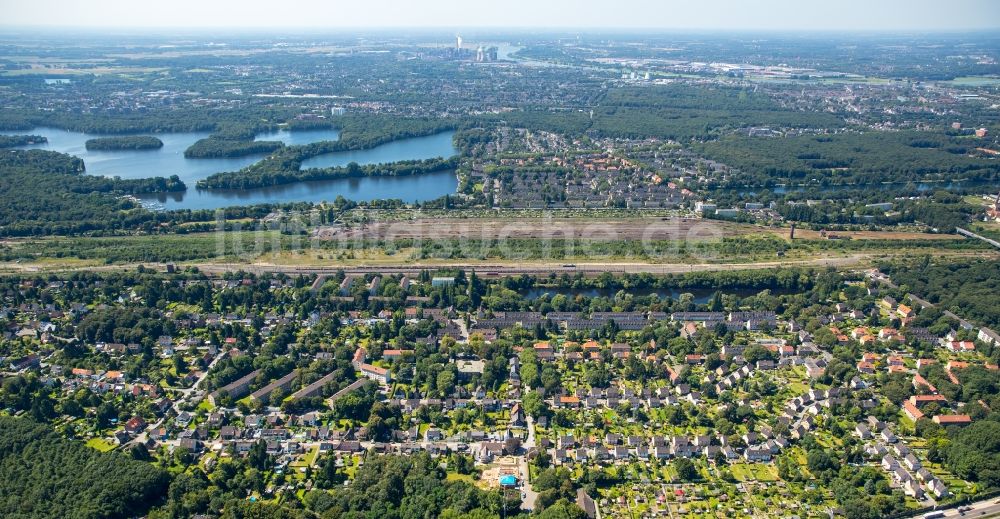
<point x="460" y="477"/>
<point x="311" y="457"/>
<point x="100" y="444"/>
<point x="754" y="472"/>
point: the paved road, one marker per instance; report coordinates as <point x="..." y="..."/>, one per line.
<point x="980" y="509"/>
<point x="530" y="442"/>
<point x="528" y="501"/>
<point x="463" y="330"/>
<point x="971" y="234"/>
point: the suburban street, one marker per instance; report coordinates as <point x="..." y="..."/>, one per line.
<point x="528" y="502"/>
<point x="176" y="408"/>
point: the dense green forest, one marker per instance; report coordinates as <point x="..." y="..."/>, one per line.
<point x="974" y="453"/>
<point x="682" y="112"/>
<point x="260" y="178"/>
<point x="13" y="141"/>
<point x="44" y="475"/>
<point x="564" y="121"/>
<point x="848" y="158"/>
<point x="160" y="121"/>
<point x="220" y="147"/>
<point x="941" y="210"/>
<point x="44" y="193"/>
<point x="406" y="486"/>
<point x="127" y="142"/>
<point x="679" y="112"/>
<point x="968" y="289"/>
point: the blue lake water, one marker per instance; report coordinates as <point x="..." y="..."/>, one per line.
<point x="439" y="145"/>
<point x="298" y="138"/>
<point x="169" y="160"/>
<point x="415" y="188"/>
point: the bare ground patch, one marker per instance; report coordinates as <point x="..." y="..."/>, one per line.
<point x="541" y="228"/>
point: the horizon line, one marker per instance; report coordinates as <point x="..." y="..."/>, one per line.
<point x="522" y="28"/>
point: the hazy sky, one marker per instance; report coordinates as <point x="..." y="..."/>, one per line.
<point x="942" y="15"/>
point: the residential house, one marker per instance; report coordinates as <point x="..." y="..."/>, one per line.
<point x="380" y="375"/>
<point x="953" y="419"/>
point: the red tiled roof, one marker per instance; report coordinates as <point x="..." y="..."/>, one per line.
<point x="952" y="418"/>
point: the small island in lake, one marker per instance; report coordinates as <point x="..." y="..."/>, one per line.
<point x="13" y="141"/>
<point x="223" y="147"/>
<point x="130" y="142"/>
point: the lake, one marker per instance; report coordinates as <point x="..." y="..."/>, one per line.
<point x="300" y="137"/>
<point x="438" y="145"/>
<point x="414" y="188"/>
<point x="169" y="160"/>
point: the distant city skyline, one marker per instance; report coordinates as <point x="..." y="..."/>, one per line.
<point x="732" y="15"/>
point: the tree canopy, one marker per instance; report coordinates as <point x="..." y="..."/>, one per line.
<point x="44" y="475"/>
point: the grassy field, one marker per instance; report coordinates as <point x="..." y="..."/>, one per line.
<point x="597" y="228"/>
<point x="987" y="229"/>
<point x="461" y="477"/>
<point x="100" y="444"/>
<point x="754" y="472"/>
<point x="521" y="242"/>
<point x="85" y="251"/>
